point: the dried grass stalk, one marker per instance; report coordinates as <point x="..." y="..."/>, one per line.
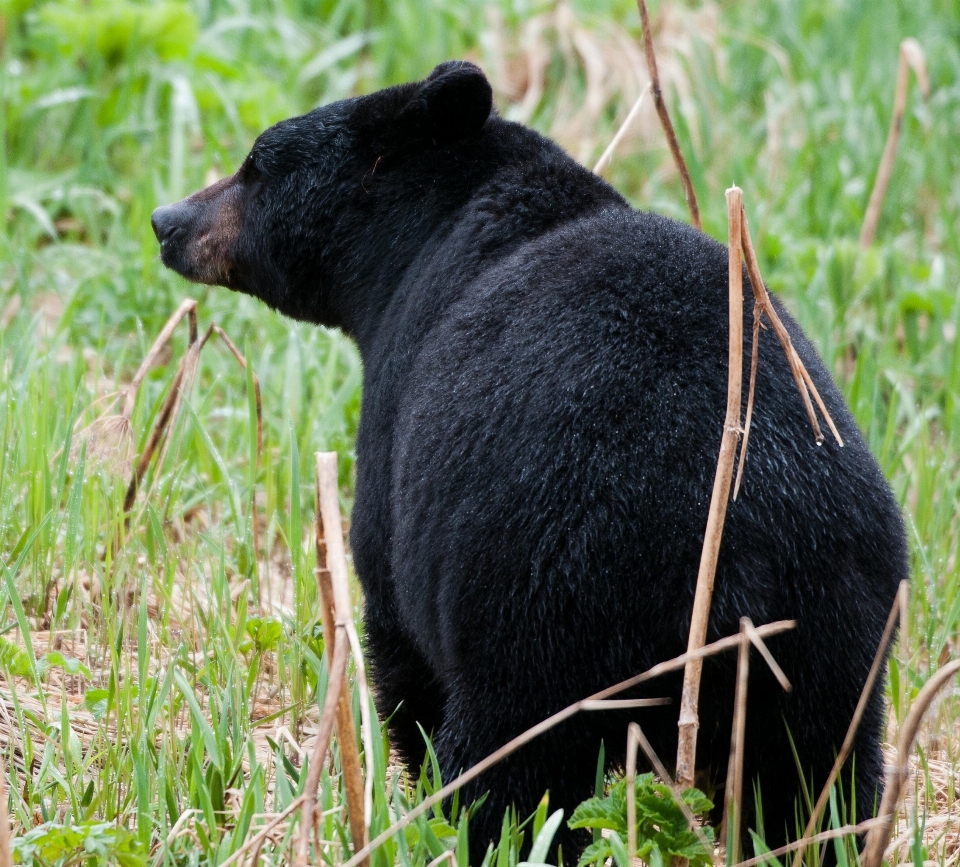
<point x="805" y="385"/>
<point x="338" y="676"/>
<point x="540" y="728"/>
<point x="633" y="742"/>
<point x="337" y="562"/>
<point x="879" y="835"/>
<point x="349" y="753"/>
<point x="689" y="697"/>
<point x="822" y="837"/>
<point x="664" y="116"/>
<point x="858" y="712"/>
<point x="733" y="798"/>
<point x="911" y="57"/>
<point x="607" y="157"/>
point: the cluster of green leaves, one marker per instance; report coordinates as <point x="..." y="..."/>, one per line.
<point x="663" y="831"/>
<point x="96" y="844"/>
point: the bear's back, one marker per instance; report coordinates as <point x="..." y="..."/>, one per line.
<point x="556" y="441"/>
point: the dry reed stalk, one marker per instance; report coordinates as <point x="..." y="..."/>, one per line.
<point x="6" y="855"/>
<point x="761" y="646"/>
<point x="346" y="729"/>
<point x="805" y="385"/>
<point x="822" y="837"/>
<point x="169" y="410"/>
<point x="689" y="696"/>
<point x="664" y="774"/>
<point x="879" y="835"/>
<point x="911" y="57"/>
<point x="734" y="793"/>
<point x="848" y="739"/>
<point x="329" y="501"/>
<point x="540" y="728"/>
<point x="607" y="156"/>
<point x="664" y="115"/>
<point x="623" y="704"/>
<point x="257" y="840"/>
<point x="109" y="438"/>
<point x="338" y="676"/>
<point x="633" y="742"/>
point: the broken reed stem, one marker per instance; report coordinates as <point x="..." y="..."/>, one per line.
<point x="338" y="675"/>
<point x="734" y="793"/>
<point x="346" y="728"/>
<point x="754" y="358"/>
<point x="879" y="835"/>
<point x="664" y="116"/>
<point x="188" y="308"/>
<point x="633" y="742"/>
<point x="804" y="382"/>
<point x="257" y="840"/>
<point x="761" y="646"/>
<point x="540" y="728"/>
<point x="822" y="837"/>
<point x="664" y="775"/>
<point x="689" y="696"/>
<point x="858" y="712"/>
<point x="329" y="507"/>
<point x="911" y="56"/>
<point x="607" y="157"/>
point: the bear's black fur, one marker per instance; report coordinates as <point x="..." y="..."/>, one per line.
<point x="545" y="375"/>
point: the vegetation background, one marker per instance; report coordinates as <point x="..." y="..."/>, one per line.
<point x="158" y="697"/>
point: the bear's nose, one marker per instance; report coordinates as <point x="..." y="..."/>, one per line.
<point x="165" y="223"/>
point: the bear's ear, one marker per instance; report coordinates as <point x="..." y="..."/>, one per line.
<point x="453" y="102"/>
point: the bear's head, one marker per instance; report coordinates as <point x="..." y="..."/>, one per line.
<point x="331" y="201"/>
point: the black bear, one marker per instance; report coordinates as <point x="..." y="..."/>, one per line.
<point x="545" y="374"/>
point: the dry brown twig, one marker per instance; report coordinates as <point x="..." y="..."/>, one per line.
<point x="911" y="57"/>
<point x="607" y="156"/>
<point x="336" y="607"/>
<point x="879" y="834"/>
<point x="540" y="728"/>
<point x="734" y="794"/>
<point x="858" y="711"/>
<point x="6" y="855"/>
<point x="338" y="675"/>
<point x="764" y="306"/>
<point x="689" y="696"/>
<point x="664" y="115"/>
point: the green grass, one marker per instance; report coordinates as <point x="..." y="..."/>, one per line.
<point x="190" y="653"/>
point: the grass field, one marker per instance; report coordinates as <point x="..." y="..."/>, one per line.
<point x="158" y="693"/>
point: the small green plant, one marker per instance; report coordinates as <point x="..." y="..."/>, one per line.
<point x="662" y="828"/>
<point x="93" y="843"/>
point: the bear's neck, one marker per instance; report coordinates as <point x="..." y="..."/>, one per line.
<point x="453" y="216"/>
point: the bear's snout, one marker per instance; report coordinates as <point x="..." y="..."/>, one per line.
<point x="198" y="235"/>
<point x="166" y="223"/>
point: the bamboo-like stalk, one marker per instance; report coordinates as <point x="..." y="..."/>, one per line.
<point x="689" y="696"/>
<point x="879" y="835"/>
<point x="633" y="743"/>
<point x="540" y="728"/>
<point x="338" y="676"/>
<point x="911" y="57"/>
<point x="733" y="799"/>
<point x="346" y="728"/>
<point x="664" y="116"/>
<point x="858" y="712"/>
<point x="329" y="505"/>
